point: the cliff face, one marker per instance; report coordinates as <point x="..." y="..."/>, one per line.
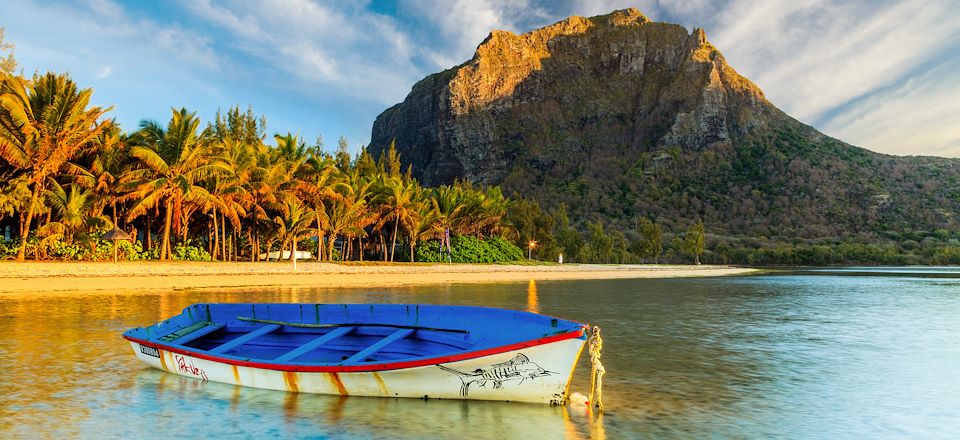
<point x="618" y="116"/>
<point x="617" y="79"/>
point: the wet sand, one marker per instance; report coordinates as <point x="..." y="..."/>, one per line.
<point x="67" y="276"/>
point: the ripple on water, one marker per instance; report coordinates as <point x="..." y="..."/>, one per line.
<point x="824" y="356"/>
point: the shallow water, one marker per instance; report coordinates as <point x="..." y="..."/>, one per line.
<point x="808" y="355"/>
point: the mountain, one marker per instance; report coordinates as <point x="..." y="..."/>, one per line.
<point x="617" y="117"/>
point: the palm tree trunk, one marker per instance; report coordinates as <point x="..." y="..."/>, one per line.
<point x="223" y="237"/>
<point x="25" y="225"/>
<point x="293" y="253"/>
<point x="360" y="242"/>
<point x="393" y="244"/>
<point x="331" y="242"/>
<point x="149" y="237"/>
<point x="216" y="236"/>
<point x="383" y="247"/>
<point x="253" y="243"/>
<point x="165" y="244"/>
<point x="319" y="234"/>
<point x="252" y="250"/>
<point x="411" y="250"/>
<point x="321" y="248"/>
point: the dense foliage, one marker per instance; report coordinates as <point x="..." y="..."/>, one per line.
<point x="467" y="249"/>
<point x="222" y="192"/>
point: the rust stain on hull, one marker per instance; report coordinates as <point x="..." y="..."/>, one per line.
<point x="163" y="360"/>
<point x="383" y="386"/>
<point x="236" y="374"/>
<point x="291" y="379"/>
<point x="334" y="379"/>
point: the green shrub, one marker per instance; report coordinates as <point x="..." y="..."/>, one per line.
<point x="467" y="249"/>
<point x="8" y="249"/>
<point x="190" y="252"/>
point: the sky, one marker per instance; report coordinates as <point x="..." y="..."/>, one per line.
<point x="880" y="74"/>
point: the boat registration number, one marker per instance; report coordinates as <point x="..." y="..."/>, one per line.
<point x="149" y="351"/>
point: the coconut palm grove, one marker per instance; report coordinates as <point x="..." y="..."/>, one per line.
<point x="217" y="191"/>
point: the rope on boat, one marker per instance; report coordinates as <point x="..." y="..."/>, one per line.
<point x="594" y="346"/>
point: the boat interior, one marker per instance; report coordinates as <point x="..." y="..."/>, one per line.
<point x="345" y="334"/>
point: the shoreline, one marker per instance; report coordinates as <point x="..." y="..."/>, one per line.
<point x="26" y="277"/>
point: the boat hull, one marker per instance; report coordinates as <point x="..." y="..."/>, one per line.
<point x="537" y="373"/>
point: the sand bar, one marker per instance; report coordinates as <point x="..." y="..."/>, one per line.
<point x="71" y="276"/>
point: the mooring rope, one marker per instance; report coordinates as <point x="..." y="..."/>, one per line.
<point x="595" y="345"/>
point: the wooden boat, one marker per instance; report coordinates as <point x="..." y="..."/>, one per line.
<point x="389" y="350"/>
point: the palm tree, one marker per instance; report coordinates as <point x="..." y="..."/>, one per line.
<point x="107" y="164"/>
<point x="293" y="225"/>
<point x="43" y="125"/>
<point x="74" y="213"/>
<point x="227" y="193"/>
<point x="424" y="227"/>
<point x="14" y="195"/>
<point x="323" y="186"/>
<point x="173" y="162"/>
<point x="399" y="204"/>
<point x="483" y="212"/>
<point x="265" y="183"/>
<point x="350" y="210"/>
<point x="447" y="202"/>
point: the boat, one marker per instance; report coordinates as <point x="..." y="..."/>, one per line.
<point x="387" y="350"/>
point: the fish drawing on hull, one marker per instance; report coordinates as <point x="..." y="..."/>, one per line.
<point x="517" y="369"/>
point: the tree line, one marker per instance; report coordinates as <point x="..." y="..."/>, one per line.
<point x="69" y="173"/>
<point x="221" y="191"/>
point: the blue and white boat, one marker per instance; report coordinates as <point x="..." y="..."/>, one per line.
<point x="388" y="350"/>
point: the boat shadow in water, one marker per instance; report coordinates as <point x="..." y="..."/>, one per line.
<point x="238" y="409"/>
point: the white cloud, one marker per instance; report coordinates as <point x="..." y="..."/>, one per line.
<point x="813" y="56"/>
<point x="103" y="72"/>
<point x="463" y="24"/>
<point x="331" y="48"/>
<point x="921" y="116"/>
<point x="852" y="68"/>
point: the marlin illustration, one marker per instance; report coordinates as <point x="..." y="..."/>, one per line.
<point x="519" y="368"/>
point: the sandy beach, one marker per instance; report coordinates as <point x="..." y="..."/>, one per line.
<point x="67" y="276"/>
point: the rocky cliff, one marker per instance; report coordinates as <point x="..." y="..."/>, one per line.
<point x="618" y="116"/>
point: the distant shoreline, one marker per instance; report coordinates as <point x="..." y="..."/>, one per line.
<point x="135" y="276"/>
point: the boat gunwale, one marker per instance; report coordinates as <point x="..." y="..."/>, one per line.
<point x="383" y="366"/>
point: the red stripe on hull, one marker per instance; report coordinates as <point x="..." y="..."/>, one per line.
<point x="372" y="367"/>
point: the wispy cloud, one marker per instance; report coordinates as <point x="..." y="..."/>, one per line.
<point x="920" y="116"/>
<point x="336" y="46"/>
<point x="103" y="72"/>
<point x="811" y="57"/>
<point x="870" y="72"/>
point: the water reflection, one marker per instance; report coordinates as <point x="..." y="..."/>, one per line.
<point x="772" y="356"/>
<point x="532" y="303"/>
<point x="319" y="415"/>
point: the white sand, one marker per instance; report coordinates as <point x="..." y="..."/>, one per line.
<point x="152" y="275"/>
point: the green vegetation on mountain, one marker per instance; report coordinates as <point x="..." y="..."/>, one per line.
<point x="623" y="121"/>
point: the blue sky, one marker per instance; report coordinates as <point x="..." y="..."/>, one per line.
<point x="884" y="75"/>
